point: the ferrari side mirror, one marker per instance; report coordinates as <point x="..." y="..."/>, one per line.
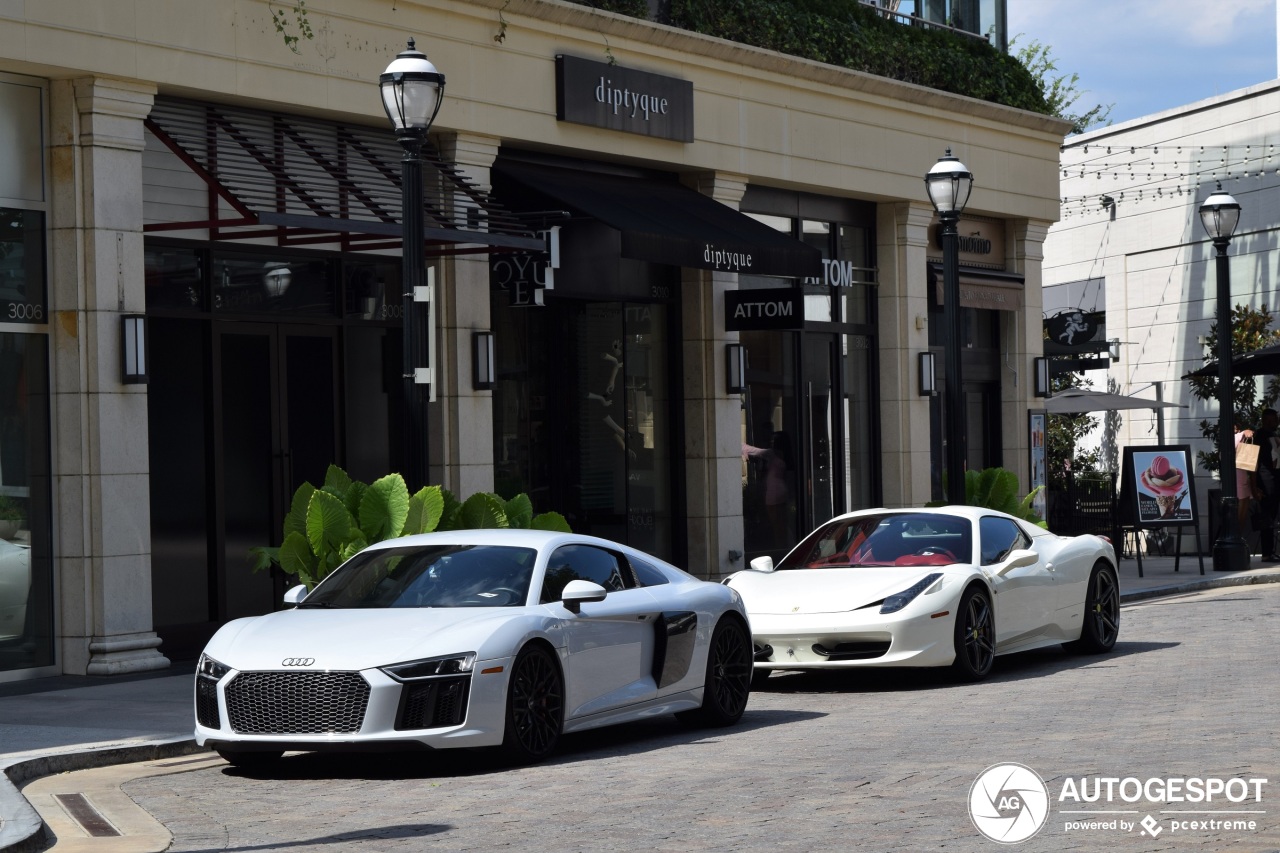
<point x="1015" y="560"/>
<point x="762" y="564"/>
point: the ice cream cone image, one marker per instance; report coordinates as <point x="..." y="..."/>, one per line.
<point x="1165" y="482"/>
<point x="1168" y="504"/>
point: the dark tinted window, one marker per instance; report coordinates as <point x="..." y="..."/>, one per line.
<point x="999" y="537"/>
<point x="648" y="574"/>
<point x="437" y="576"/>
<point x="583" y="562"/>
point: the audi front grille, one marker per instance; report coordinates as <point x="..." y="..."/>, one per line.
<point x="297" y="703"/>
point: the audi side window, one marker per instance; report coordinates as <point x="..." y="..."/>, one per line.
<point x="648" y="574"/>
<point x="582" y="562"/>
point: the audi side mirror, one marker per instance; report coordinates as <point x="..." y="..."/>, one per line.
<point x="294" y="596"/>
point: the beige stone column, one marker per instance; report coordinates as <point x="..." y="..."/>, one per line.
<point x="101" y="510"/>
<point x="1025" y="254"/>
<point x="462" y="419"/>
<point x="713" y="434"/>
<point x="902" y="236"/>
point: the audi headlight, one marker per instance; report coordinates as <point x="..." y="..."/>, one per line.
<point x="431" y="667"/>
<point x="210" y="668"/>
<point x="899" y="600"/>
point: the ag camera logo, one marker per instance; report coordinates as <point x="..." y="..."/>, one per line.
<point x="1009" y="803"/>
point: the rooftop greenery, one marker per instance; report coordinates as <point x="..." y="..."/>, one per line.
<point x="851" y="35"/>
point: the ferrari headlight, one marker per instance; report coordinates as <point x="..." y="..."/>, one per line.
<point x="431" y="667"/>
<point x="899" y="600"/>
<point x="210" y="668"/>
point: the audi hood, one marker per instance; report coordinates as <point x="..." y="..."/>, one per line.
<point x="359" y="639"/>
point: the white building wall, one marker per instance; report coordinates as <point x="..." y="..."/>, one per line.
<point x="1152" y="252"/>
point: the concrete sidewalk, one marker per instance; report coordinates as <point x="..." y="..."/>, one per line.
<point x="64" y="723"/>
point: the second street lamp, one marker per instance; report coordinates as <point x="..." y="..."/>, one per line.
<point x="412" y="90"/>
<point x="1220" y="214"/>
<point x="949" y="184"/>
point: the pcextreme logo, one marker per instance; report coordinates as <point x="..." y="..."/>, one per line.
<point x="1009" y="803"/>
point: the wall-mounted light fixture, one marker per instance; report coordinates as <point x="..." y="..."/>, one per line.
<point x="482" y="376"/>
<point x="1042" y="376"/>
<point x="735" y="362"/>
<point x="928" y="379"/>
<point x="133" y="349"/>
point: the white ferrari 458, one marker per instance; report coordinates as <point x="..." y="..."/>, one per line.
<point x="952" y="586"/>
<point x="501" y="638"/>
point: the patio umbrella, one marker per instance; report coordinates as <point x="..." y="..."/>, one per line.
<point x="1260" y="362"/>
<point x="1079" y="400"/>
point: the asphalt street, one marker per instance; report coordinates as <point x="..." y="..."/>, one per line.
<point x="870" y="761"/>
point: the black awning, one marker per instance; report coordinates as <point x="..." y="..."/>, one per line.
<point x="306" y="180"/>
<point x="667" y="223"/>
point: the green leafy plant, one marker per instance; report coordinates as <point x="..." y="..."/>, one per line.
<point x="997" y="488"/>
<point x="1250" y="330"/>
<point x="326" y="526"/>
<point x="853" y="35"/>
<point x="12" y="509"/>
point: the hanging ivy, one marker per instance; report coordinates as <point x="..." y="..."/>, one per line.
<point x="848" y="34"/>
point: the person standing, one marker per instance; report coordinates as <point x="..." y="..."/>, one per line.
<point x="1267" y="481"/>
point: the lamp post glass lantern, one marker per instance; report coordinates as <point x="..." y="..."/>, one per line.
<point x="412" y="90"/>
<point x="949" y="184"/>
<point x="1220" y="214"/>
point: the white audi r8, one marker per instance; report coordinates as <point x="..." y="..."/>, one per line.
<point x="952" y="586"/>
<point x="502" y="638"/>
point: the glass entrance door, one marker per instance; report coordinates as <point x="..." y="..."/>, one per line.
<point x="224" y="469"/>
<point x="279" y="428"/>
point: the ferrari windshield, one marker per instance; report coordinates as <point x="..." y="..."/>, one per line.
<point x="438" y="576"/>
<point x="885" y="539"/>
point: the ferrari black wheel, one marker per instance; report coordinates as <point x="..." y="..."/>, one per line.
<point x="975" y="636"/>
<point x="535" y="706"/>
<point x="728" y="681"/>
<point x="1101" y="624"/>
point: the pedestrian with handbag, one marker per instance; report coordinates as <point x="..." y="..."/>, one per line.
<point x="1267" y="479"/>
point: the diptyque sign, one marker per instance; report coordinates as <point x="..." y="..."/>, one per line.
<point x="617" y="98"/>
<point x="774" y="308"/>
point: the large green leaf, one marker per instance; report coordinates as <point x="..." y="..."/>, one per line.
<point x="329" y="525"/>
<point x="336" y="480"/>
<point x="451" y="515"/>
<point x="297" y="558"/>
<point x="353" y="496"/>
<point x="483" y="510"/>
<point x="425" y="509"/>
<point x="551" y="521"/>
<point x="519" y="511"/>
<point x="296" y="520"/>
<point x="384" y="508"/>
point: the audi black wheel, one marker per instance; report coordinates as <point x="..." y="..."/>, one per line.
<point x="535" y="706"/>
<point x="730" y="661"/>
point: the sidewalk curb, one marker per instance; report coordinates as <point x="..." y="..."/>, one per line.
<point x="22" y="830"/>
<point x="1204" y="583"/>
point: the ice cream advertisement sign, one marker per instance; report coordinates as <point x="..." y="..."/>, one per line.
<point x="1163" y="479"/>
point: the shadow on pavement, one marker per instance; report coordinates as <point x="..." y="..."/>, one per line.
<point x="356" y="836"/>
<point x="612" y="741"/>
<point x="1015" y="667"/>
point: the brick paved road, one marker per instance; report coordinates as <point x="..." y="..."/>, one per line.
<point x="868" y="762"/>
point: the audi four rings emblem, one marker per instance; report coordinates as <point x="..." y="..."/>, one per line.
<point x="297" y="661"/>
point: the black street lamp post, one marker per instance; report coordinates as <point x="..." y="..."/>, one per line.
<point x="1220" y="213"/>
<point x="412" y="90"/>
<point x="948" y="184"/>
